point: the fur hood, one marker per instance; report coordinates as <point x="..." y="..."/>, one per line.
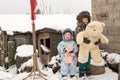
<point x="83" y="14"/>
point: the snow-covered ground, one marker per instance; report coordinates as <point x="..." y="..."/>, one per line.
<point x="10" y="73"/>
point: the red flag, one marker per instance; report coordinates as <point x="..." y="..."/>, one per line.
<point x="33" y="4"/>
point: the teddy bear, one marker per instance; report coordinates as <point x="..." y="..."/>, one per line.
<point x="69" y="58"/>
<point x="69" y="55"/>
<point x="89" y="42"/>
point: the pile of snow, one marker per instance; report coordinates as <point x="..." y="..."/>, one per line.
<point x="9" y="32"/>
<point x="29" y="63"/>
<point x="97" y="64"/>
<point x="54" y="59"/>
<point x="12" y="69"/>
<point x="103" y="53"/>
<point x="45" y="49"/>
<point x="25" y="51"/>
<point x="2" y="68"/>
<point x="113" y="58"/>
<point x="5" y="75"/>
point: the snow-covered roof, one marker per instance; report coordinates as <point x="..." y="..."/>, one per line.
<point x="22" y="22"/>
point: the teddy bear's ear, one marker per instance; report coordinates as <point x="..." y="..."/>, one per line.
<point x="91" y="24"/>
<point x="103" y="24"/>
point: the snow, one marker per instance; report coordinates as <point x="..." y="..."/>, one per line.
<point x="4" y="75"/>
<point x="10" y="73"/>
<point x="25" y="50"/>
<point x="12" y="70"/>
<point x="44" y="48"/>
<point x="98" y="64"/>
<point x="29" y="63"/>
<point x="113" y="58"/>
<point x="108" y="75"/>
<point x="6" y="59"/>
<point x="103" y="53"/>
<point x="54" y="59"/>
<point x="22" y="22"/>
<point x="9" y="32"/>
<point x="2" y="68"/>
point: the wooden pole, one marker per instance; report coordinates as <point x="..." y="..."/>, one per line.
<point x="35" y="62"/>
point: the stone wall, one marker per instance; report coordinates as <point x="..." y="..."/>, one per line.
<point x="108" y="11"/>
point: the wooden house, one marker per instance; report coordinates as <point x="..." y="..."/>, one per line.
<point x="49" y="38"/>
<point x="22" y="38"/>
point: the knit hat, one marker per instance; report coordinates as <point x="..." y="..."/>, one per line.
<point x="83" y="14"/>
<point x="67" y="30"/>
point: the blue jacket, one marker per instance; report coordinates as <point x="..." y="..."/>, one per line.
<point x="62" y="45"/>
<point x="65" y="68"/>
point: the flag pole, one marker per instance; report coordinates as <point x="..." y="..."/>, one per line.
<point x="35" y="67"/>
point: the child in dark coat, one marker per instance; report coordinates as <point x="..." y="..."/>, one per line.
<point x="83" y="18"/>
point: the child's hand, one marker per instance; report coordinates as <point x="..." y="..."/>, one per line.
<point x="69" y="48"/>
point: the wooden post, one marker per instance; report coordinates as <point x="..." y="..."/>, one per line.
<point x="35" y="63"/>
<point x="11" y="52"/>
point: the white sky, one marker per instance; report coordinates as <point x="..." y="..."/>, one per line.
<point x="56" y="6"/>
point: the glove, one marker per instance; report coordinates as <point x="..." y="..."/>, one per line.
<point x="97" y="42"/>
<point x="86" y="40"/>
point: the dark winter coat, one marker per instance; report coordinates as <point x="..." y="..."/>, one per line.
<point x="80" y="25"/>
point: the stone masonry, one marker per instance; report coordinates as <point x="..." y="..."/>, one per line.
<point x="108" y="12"/>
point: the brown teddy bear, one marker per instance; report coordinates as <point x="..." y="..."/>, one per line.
<point x="89" y="40"/>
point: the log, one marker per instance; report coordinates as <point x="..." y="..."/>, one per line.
<point x="95" y="70"/>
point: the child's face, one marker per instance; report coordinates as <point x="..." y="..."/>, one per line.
<point x="67" y="36"/>
<point x="85" y="20"/>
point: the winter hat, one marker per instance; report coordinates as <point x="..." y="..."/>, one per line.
<point x="67" y="30"/>
<point x="83" y="14"/>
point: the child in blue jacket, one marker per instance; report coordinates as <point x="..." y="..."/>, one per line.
<point x="67" y="46"/>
